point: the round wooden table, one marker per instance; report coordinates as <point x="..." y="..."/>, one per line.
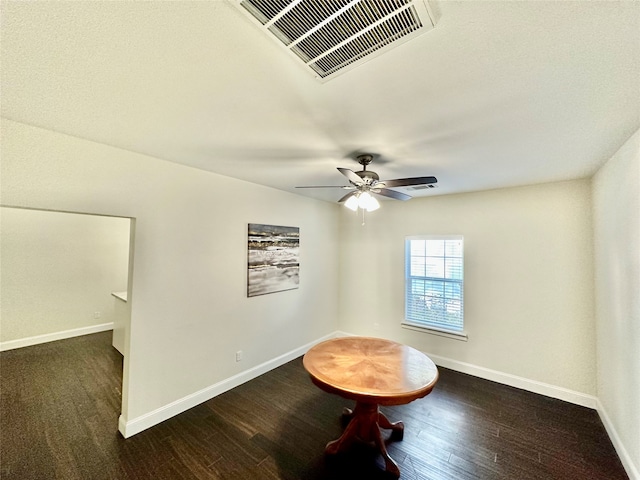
<point x="373" y="372"/>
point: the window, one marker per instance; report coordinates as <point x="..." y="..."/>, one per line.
<point x="434" y="276"/>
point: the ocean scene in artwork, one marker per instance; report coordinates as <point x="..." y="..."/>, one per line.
<point x="273" y="259"/>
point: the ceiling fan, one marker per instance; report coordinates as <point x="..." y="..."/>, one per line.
<point x="365" y="182"/>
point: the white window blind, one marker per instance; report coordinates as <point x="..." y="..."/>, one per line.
<point x="434" y="295"/>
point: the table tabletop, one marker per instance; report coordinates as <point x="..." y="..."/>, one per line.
<point x="371" y="370"/>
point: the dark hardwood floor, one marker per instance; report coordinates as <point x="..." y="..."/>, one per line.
<point x="60" y="404"/>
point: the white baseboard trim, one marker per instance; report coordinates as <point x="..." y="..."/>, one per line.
<point x="52" y="337"/>
<point x="632" y="470"/>
<point x="136" y="425"/>
<point x="534" y="386"/>
<point x="129" y="428"/>
<point x="340" y="333"/>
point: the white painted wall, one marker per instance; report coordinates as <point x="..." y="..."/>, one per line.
<point x="616" y="207"/>
<point x="58" y="270"/>
<point x="190" y="311"/>
<point x="528" y="279"/>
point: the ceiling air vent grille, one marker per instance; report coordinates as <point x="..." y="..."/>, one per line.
<point x="422" y="187"/>
<point x="330" y="35"/>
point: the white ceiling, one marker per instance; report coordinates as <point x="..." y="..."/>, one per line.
<point x="498" y="94"/>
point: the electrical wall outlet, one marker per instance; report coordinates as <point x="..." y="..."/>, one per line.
<point x="238" y="355"/>
<point x="96" y="315"/>
<point x="376" y="326"/>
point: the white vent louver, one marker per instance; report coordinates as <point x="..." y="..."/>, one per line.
<point x="331" y="35"/>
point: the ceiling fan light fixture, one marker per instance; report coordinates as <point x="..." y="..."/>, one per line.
<point x="362" y="200"/>
<point x="352" y="203"/>
<point x="367" y="202"/>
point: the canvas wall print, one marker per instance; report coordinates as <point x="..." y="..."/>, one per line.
<point x="273" y="259"/>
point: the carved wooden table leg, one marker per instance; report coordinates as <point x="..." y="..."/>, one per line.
<point x="366" y="421"/>
<point x="390" y="465"/>
<point x="345" y="418"/>
<point x="396" y="427"/>
<point x="350" y="433"/>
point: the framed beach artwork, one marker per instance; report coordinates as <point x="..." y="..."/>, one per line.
<point x="273" y="261"/>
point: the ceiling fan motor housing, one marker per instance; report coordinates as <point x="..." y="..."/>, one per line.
<point x="367" y="176"/>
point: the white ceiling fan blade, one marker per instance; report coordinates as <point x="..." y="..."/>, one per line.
<point x="352" y="176"/>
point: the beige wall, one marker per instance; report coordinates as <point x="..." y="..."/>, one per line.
<point x="616" y="192"/>
<point x="58" y="271"/>
<point x="528" y="279"/>
<point x="190" y="311"/>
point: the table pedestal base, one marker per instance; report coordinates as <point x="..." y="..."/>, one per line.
<point x="366" y="421"/>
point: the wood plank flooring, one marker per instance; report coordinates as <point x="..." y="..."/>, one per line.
<point x="60" y="404"/>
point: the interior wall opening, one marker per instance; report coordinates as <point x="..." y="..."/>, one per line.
<point x="64" y="275"/>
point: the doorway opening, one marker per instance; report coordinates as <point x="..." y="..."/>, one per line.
<point x="65" y="274"/>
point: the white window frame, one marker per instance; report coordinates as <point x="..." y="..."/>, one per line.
<point x="425" y="326"/>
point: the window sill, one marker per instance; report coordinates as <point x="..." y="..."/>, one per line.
<point x="462" y="336"/>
